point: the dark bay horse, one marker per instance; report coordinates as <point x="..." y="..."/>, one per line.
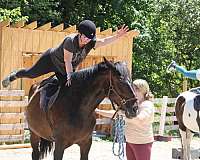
<point x="71" y="119"/>
<point x="187" y="107"/>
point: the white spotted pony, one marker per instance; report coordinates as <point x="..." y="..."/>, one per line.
<point x="187" y="108"/>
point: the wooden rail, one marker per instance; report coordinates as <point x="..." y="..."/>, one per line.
<point x="12" y="106"/>
<point x="164" y="115"/>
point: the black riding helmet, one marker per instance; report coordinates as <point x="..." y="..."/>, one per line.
<point x="88" y="28"/>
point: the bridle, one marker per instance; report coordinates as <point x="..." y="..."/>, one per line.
<point x="123" y="101"/>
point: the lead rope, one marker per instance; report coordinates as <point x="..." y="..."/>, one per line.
<point x="119" y="136"/>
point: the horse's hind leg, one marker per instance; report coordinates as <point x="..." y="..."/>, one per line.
<point x="85" y="146"/>
<point x="186" y="137"/>
<point x="35" y="140"/>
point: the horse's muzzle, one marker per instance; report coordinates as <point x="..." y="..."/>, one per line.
<point x="131" y="112"/>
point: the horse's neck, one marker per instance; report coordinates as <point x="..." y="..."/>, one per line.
<point x="94" y="98"/>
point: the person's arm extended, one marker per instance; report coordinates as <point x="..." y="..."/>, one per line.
<point x="105" y="113"/>
<point x="68" y="63"/>
<point x="120" y="33"/>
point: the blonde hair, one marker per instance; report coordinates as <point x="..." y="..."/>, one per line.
<point x="143" y="87"/>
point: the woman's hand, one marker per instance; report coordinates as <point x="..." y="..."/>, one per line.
<point x="122" y="31"/>
<point x="69" y="80"/>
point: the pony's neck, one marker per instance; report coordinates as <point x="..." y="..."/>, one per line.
<point x="97" y="92"/>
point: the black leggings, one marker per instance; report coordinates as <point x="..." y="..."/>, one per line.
<point x="43" y="66"/>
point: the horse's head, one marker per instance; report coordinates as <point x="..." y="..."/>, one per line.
<point x="119" y="89"/>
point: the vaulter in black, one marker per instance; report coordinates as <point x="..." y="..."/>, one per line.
<point x="64" y="58"/>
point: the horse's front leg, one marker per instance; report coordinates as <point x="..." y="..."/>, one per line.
<point x="85" y="146"/>
<point x="35" y="140"/>
<point x="59" y="151"/>
<point x="185" y="141"/>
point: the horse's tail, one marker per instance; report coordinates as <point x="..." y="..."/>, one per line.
<point x="45" y="148"/>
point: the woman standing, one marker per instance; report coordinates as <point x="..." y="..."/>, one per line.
<point x="138" y="131"/>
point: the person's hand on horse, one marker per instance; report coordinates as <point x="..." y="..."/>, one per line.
<point x="69" y="80"/>
<point x="122" y="31"/>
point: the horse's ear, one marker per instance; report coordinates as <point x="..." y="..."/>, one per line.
<point x="104" y="58"/>
<point x="109" y="63"/>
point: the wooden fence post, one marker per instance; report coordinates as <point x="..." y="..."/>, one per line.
<point x="163" y="115"/>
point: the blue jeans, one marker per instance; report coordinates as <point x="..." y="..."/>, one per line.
<point x="192" y="74"/>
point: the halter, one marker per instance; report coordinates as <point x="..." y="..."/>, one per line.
<point x="119" y="122"/>
<point x="123" y="101"/>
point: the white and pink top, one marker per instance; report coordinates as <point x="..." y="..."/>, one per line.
<point x="139" y="130"/>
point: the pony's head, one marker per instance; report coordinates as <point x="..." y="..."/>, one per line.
<point x="119" y="88"/>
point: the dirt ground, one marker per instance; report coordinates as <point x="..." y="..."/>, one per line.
<point x="100" y="150"/>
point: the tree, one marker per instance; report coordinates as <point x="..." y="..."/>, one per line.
<point x="13" y="15"/>
<point x="42" y="11"/>
<point x="172" y="32"/>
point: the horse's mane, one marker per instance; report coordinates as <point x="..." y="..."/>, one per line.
<point x="84" y="74"/>
<point x="122" y="68"/>
<point x="90" y="72"/>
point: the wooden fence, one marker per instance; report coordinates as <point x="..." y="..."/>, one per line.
<point x="12" y="107"/>
<point x="164" y="119"/>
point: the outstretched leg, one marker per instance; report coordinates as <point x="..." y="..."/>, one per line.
<point x="35" y="140"/>
<point x="42" y="66"/>
<point x="85" y="146"/>
<point x="186" y="137"/>
<point x="192" y="74"/>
